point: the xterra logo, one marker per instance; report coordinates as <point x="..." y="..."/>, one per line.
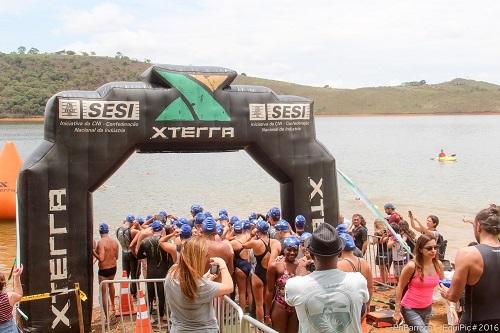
<point x="279" y="111"/>
<point x="196" y="101"/>
<point x="106" y="110"/>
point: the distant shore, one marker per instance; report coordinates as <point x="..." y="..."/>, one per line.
<point x="22" y="120"/>
<point x="401" y="114"/>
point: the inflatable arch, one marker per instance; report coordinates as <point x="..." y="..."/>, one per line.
<point x="88" y="135"/>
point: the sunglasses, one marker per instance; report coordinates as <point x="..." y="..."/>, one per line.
<point x="430" y="248"/>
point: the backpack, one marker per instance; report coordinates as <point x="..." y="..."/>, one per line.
<point x="442" y="244"/>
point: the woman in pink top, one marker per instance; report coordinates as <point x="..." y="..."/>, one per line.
<point x="419" y="277"/>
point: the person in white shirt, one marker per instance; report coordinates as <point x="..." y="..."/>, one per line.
<point x="327" y="300"/>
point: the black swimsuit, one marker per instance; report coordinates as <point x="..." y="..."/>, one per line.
<point x="259" y="269"/>
<point x="241" y="263"/>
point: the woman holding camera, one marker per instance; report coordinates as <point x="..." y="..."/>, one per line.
<point x="191" y="291"/>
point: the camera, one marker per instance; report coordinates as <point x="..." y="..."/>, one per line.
<point x="214" y="269"/>
<point x="311" y="267"/>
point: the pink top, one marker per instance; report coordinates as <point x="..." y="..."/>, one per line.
<point x="419" y="294"/>
<point x="5" y="308"/>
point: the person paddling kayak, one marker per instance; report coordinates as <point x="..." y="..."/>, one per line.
<point x="442" y="154"/>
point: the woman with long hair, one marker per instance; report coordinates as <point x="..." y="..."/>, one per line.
<point x="191" y="291"/>
<point x="400" y="256"/>
<point x="382" y="257"/>
<point x="418" y="279"/>
<point x="8" y="299"/>
<point x="279" y="315"/>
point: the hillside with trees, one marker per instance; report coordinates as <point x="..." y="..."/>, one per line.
<point x="28" y="79"/>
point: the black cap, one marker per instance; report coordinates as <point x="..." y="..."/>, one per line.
<point x="325" y="241"/>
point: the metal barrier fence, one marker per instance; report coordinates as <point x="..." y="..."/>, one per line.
<point x="252" y="325"/>
<point x="229" y="315"/>
<point x="385" y="271"/>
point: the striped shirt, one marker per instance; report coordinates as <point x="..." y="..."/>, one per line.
<point x="5" y="308"/>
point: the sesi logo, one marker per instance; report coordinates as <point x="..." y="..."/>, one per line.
<point x="276" y="111"/>
<point x="110" y="110"/>
<point x="287" y="111"/>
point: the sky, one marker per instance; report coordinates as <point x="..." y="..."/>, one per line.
<point x="343" y="44"/>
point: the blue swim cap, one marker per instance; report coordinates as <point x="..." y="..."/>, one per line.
<point x="247" y="225"/>
<point x="291" y="241"/>
<point x="238" y="226"/>
<point x="208" y="214"/>
<point x="282" y="225"/>
<point x="220" y="229"/>
<point x="223" y="217"/>
<point x="209" y="226"/>
<point x="262" y="226"/>
<point x="275" y="213"/>
<point x="140" y="220"/>
<point x="156" y="226"/>
<point x="178" y="223"/>
<point x="149" y="217"/>
<point x="163" y="213"/>
<point x="199" y="218"/>
<point x="304" y="236"/>
<point x="223" y="212"/>
<point x="186" y="231"/>
<point x="233" y="219"/>
<point x="183" y="220"/>
<point x="348" y="241"/>
<point x="195" y="209"/>
<point x="103" y="228"/>
<point x="252" y="216"/>
<point x="300" y="221"/>
<point x="130" y="218"/>
<point x="341" y="228"/>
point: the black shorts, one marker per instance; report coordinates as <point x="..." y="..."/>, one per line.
<point x="107" y="272"/>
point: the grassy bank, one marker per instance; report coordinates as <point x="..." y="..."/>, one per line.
<point x="29" y="80"/>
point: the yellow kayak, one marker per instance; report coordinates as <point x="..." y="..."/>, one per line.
<point x="447" y="159"/>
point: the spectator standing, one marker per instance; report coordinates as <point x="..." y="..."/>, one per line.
<point x="477" y="269"/>
<point x="430" y="228"/>
<point x="382" y="258"/>
<point x="400" y="256"/>
<point x="327" y="300"/>
<point x="359" y="232"/>
<point x="191" y="291"/>
<point x="420" y="276"/>
<point x="8" y="299"/>
<point x="390" y="210"/>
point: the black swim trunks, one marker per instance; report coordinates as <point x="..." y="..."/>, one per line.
<point x="107" y="272"/>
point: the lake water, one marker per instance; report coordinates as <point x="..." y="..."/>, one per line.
<point x="388" y="157"/>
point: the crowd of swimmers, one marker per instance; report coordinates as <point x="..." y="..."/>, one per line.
<point x="263" y="252"/>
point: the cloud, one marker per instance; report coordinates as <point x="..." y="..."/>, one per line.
<point x="350" y="43"/>
<point x="104" y="17"/>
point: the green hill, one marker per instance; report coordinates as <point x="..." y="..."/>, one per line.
<point x="28" y="80"/>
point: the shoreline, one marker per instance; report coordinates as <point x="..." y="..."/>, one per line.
<point x="22" y="120"/>
<point x="321" y="115"/>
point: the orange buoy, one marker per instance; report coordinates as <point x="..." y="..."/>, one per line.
<point x="10" y="165"/>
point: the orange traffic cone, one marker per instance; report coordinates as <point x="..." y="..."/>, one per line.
<point x="126" y="302"/>
<point x="142" y="323"/>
